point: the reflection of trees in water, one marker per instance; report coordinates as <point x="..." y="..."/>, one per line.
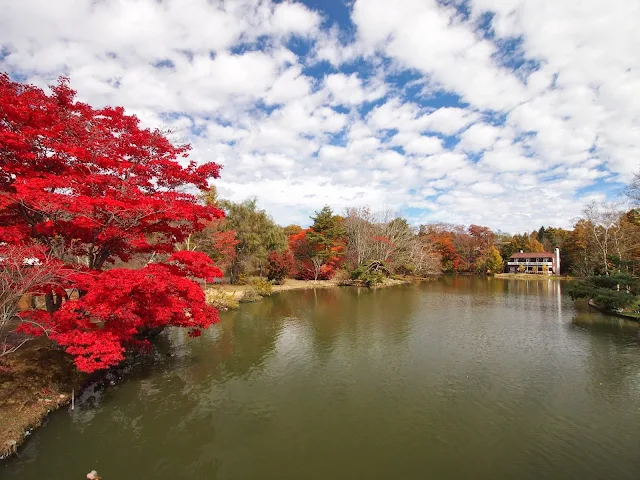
<point x="243" y="340"/>
<point x="220" y="375"/>
<point x="466" y="294"/>
<point x="356" y="316"/>
<point x="136" y="369"/>
<point x="613" y="345"/>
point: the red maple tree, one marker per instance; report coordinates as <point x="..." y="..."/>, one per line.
<point x="91" y="186"/>
<point x="279" y="265"/>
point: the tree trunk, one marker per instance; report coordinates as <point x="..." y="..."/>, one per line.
<point x="53" y="302"/>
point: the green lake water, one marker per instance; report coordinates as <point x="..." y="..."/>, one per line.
<point x="458" y="378"/>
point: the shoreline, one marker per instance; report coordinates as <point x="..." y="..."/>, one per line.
<point x="290" y="284"/>
<point x="530" y="276"/>
<point x="225" y="296"/>
<point x="612" y="313"/>
<point x="35" y="381"/>
<point x="293" y="284"/>
<point x="38" y="379"/>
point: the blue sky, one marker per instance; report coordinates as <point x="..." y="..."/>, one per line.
<point x="510" y="114"/>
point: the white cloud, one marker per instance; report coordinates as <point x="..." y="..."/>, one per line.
<point x="294" y="18"/>
<point x="479" y="137"/>
<point x="348" y="89"/>
<point x="427" y="36"/>
<point x="422" y="145"/>
<point x="301" y="112"/>
<point x="292" y="84"/>
<point x="449" y="120"/>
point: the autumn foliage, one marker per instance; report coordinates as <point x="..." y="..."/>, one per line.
<point x="279" y="264"/>
<point x="462" y="249"/>
<point x="319" y="250"/>
<point x="89" y="187"/>
<point x="314" y="261"/>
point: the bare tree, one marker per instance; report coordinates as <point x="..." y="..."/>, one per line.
<point x="20" y="274"/>
<point x="424" y="256"/>
<point x="358" y="223"/>
<point x="317" y="263"/>
<point x="605" y="225"/>
<point x="633" y="191"/>
<point x="375" y="235"/>
<point x="394" y="237"/>
<point x="386" y="237"/>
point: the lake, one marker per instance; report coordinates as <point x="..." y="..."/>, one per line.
<point x="457" y="378"/>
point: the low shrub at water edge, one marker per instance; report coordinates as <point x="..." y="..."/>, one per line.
<point x="614" y="292"/>
<point x="370" y="274"/>
<point x="367" y="278"/>
<point x="221" y="300"/>
<point x="404" y="270"/>
<point x="250" y="295"/>
<point x="341" y="276"/>
<point x="263" y="287"/>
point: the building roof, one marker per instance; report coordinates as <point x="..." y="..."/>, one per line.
<point x="532" y="255"/>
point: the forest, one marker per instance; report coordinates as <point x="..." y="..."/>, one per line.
<point x="606" y="238"/>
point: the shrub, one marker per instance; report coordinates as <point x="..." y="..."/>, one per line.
<point x="370" y="274"/>
<point x="341" y="275"/>
<point x="611" y="292"/>
<point x="280" y="264"/>
<point x="250" y="295"/>
<point x="261" y="285"/>
<point x="371" y="278"/>
<point x="221" y="300"/>
<point x="405" y="269"/>
<point x="612" y="299"/>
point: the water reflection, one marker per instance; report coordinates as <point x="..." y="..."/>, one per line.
<point x="462" y="377"/>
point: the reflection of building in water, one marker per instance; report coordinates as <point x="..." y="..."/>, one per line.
<point x="535" y="262"/>
<point x="559" y="300"/>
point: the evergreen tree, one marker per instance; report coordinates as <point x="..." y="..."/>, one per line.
<point x="327" y="230"/>
<point x="257" y="235"/>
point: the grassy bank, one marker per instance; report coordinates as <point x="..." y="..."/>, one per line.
<point x="629" y="313"/>
<point x="228" y="297"/>
<point x="289" y="284"/>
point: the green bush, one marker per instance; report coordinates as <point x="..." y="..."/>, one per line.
<point x="263" y="287"/>
<point x="610" y="292"/>
<point x="221" y="300"/>
<point x="613" y="300"/>
<point x="581" y="289"/>
<point x="250" y="295"/>
<point x="370" y="274"/>
<point x="612" y="281"/>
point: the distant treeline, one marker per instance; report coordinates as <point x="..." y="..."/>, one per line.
<point x="248" y="242"/>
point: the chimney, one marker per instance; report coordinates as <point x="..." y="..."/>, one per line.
<point x="557" y="252"/>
